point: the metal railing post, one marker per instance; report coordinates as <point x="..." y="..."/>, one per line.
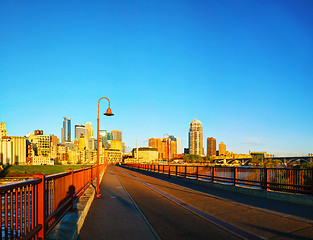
<point x="71" y="171"/>
<point x="169" y="171"/>
<point x="185" y="171"/>
<point x="265" y="178"/>
<point x="176" y="170"/>
<point x="84" y="181"/>
<point x="213" y="173"/>
<point x="72" y="184"/>
<point x="41" y="204"/>
<point x="235" y="175"/>
<point x="312" y="180"/>
<point x="197" y="172"/>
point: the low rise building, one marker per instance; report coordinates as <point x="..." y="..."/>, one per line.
<point x="41" y="160"/>
<point x="146" y="154"/>
<point x="13" y="150"/>
<point x="112" y="156"/>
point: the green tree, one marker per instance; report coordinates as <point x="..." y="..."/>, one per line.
<point x="192" y="158"/>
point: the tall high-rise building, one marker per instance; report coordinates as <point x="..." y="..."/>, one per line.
<point x="196" y="138"/>
<point x="80" y="129"/>
<point x="221" y="149"/>
<point x="89" y="130"/>
<point x="91" y="144"/>
<point x="117" y="135"/>
<point x="3" y="131"/>
<point x="177" y="143"/>
<point x="62" y="136"/>
<point x="104" y="137"/>
<point x="211" y="146"/>
<point x="66" y="130"/>
<point x="110" y="136"/>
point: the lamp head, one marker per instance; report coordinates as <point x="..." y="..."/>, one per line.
<point x="109" y="112"/>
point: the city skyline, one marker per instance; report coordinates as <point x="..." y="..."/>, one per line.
<point x="243" y="68"/>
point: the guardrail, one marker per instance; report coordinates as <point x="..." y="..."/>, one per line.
<point x="278" y="179"/>
<point x="31" y="209"/>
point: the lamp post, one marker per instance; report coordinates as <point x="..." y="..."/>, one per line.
<point x="169" y="153"/>
<point x="108" y="113"/>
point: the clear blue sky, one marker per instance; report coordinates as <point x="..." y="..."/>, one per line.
<point x="244" y="68"/>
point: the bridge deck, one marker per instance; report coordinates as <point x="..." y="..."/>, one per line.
<point x="218" y="214"/>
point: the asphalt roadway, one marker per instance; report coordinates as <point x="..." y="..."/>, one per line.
<point x="136" y="205"/>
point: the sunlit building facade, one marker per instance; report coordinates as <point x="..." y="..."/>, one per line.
<point x="222" y="149"/>
<point x="166" y="147"/>
<point x="113" y="156"/>
<point x="13" y="150"/>
<point x="211" y="146"/>
<point x="3" y="131"/>
<point x="196" y="138"/>
<point x="89" y="130"/>
<point x="117" y="135"/>
<point x="80" y="129"/>
<point x="146" y="154"/>
<point x="42" y="142"/>
<point x="66" y="130"/>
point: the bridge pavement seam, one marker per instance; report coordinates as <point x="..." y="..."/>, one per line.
<point x="138" y="209"/>
<point x="287" y="216"/>
<point x="218" y="222"/>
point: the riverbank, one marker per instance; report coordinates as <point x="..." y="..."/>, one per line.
<point x="20" y="172"/>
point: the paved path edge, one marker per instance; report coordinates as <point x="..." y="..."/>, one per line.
<point x="70" y="225"/>
<point x="280" y="196"/>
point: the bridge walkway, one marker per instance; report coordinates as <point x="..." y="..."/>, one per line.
<point x="166" y="205"/>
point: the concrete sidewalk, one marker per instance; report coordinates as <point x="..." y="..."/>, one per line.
<point x="114" y="215"/>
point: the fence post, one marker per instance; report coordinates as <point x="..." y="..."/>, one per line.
<point x="72" y="185"/>
<point x="197" y="172"/>
<point x="266" y="178"/>
<point x="235" y="175"/>
<point x="71" y="171"/>
<point x="169" y="171"/>
<point x="84" y="181"/>
<point x="158" y="168"/>
<point x="213" y="173"/>
<point x="186" y="171"/>
<point x="41" y="204"/>
<point x="312" y="180"/>
<point x="176" y="171"/>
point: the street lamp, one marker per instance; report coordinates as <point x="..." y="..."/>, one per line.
<point x="169" y="153"/>
<point x="108" y="113"/>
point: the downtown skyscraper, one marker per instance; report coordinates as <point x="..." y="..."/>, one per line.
<point x="80" y="129"/>
<point x="211" y="146"/>
<point x="89" y="130"/>
<point x="117" y="135"/>
<point x="196" y="138"/>
<point x="66" y="130"/>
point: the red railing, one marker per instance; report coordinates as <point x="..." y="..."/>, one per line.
<point x="31" y="209"/>
<point x="280" y="179"/>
